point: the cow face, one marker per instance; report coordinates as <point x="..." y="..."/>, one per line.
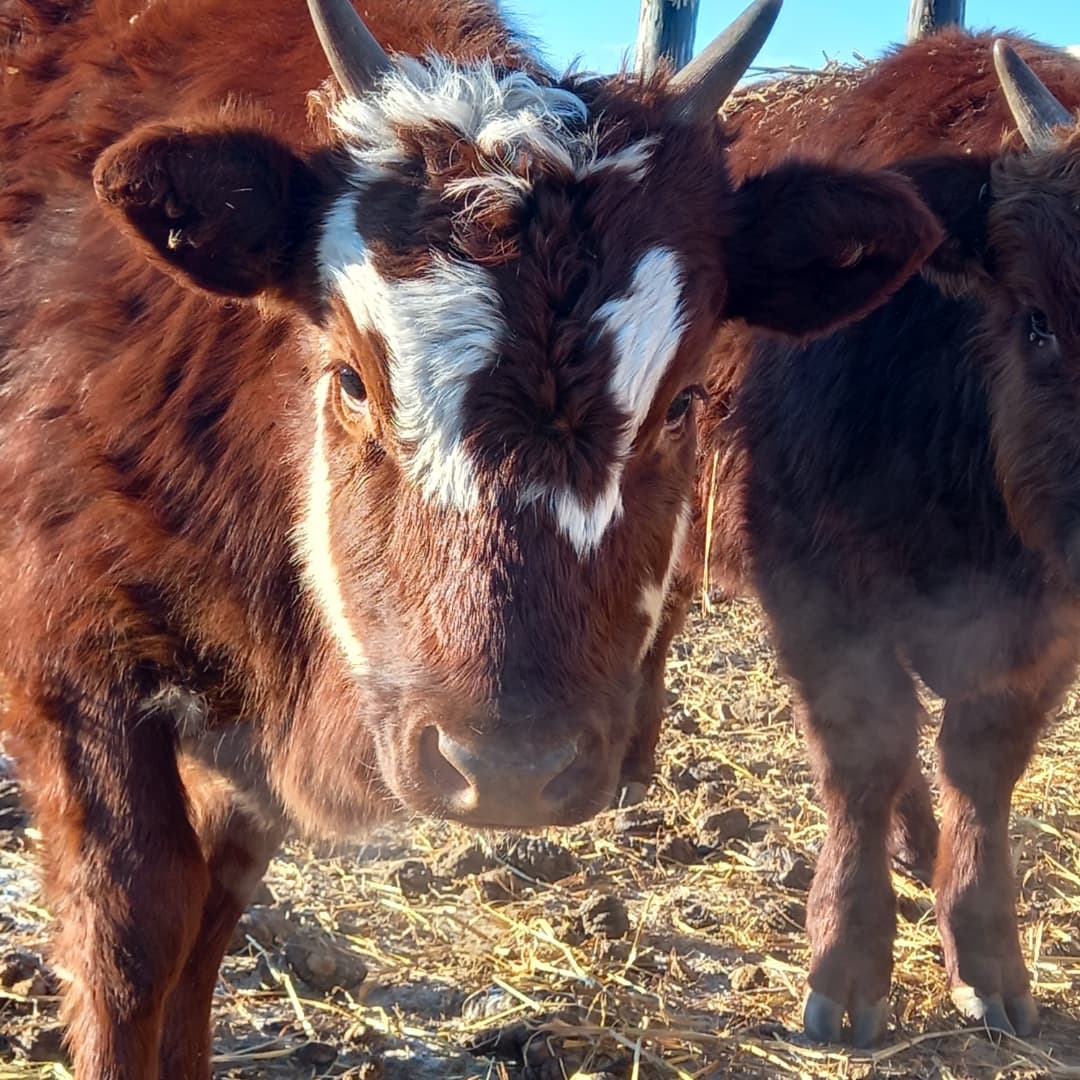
<point x="1017" y="249"/>
<point x="1034" y="320"/>
<point x="510" y="284"/>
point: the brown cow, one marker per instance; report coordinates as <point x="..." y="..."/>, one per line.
<point x="348" y="437"/>
<point x="904" y="497"/>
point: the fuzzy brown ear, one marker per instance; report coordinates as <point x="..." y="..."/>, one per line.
<point x="958" y="189"/>
<point x="225" y="209"/>
<point x="816" y="247"/>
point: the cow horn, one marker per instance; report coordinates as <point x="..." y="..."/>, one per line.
<point x="1036" y="111"/>
<point x="356" y="58"/>
<point x="703" y="86"/>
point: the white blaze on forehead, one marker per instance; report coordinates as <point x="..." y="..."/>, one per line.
<point x="654" y="594"/>
<point x="439" y="329"/>
<point x="646" y="326"/>
<point x="313" y="542"/>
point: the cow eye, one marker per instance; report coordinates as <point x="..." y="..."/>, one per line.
<point x="353" y="393"/>
<point x="680" y="404"/>
<point x="1040" y="333"/>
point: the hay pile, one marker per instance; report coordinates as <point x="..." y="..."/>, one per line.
<point x="663" y="940"/>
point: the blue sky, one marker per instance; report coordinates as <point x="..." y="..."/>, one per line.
<point x="602" y="30"/>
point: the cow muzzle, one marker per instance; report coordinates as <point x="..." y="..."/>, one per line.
<point x="504" y="782"/>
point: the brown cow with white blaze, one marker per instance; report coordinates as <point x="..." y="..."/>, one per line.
<point x="904" y="497"/>
<point x="349" y="438"/>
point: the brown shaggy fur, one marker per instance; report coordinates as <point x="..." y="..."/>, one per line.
<point x="903" y="498"/>
<point x="171" y="685"/>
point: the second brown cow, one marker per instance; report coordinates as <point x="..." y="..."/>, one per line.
<point x="904" y="497"/>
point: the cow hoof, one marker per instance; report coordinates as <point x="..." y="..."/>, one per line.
<point x="1018" y="1015"/>
<point x="1024" y="1014"/>
<point x="868" y="1024"/>
<point x="631" y="793"/>
<point x="823" y="1018"/>
<point x="823" y="1021"/>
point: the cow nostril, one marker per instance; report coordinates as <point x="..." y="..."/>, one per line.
<point x="446" y="776"/>
<point x="504" y="778"/>
<point x="492" y="768"/>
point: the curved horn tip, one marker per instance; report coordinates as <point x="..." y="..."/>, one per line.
<point x="1034" y="108"/>
<point x="703" y="86"/>
<point x="355" y="57"/>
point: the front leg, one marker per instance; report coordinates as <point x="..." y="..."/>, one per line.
<point x="858" y="710"/>
<point x="983" y="748"/>
<point x="639" y="763"/>
<point x="124" y="875"/>
<point x="239" y="831"/>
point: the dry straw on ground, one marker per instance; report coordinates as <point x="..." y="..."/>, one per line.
<point x="703" y="979"/>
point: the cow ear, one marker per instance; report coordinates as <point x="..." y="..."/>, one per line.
<point x="815" y="247"/>
<point x="958" y="190"/>
<point x="224" y="209"/>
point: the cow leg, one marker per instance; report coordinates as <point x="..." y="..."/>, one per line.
<point x="914" y="840"/>
<point x="639" y="763"/>
<point x="983" y="748"/>
<point x="239" y="834"/>
<point x="123" y="871"/>
<point x="860" y="716"/>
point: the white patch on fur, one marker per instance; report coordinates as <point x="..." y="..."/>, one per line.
<point x="313" y="541"/>
<point x="504" y="116"/>
<point x="512" y="119"/>
<point x="654" y="594"/>
<point x="647" y="325"/>
<point x="584" y="524"/>
<point x="439" y="329"/>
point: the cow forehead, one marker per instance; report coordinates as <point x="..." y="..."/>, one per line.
<point x="446" y="325"/>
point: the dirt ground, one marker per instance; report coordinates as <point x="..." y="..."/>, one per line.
<point x="663" y="940"/>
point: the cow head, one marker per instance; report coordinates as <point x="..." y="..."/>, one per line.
<point x="1034" y="235"/>
<point x="1013" y="224"/>
<point x="510" y="283"/>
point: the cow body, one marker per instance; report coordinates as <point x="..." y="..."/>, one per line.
<point x="901" y="496"/>
<point x="348" y="441"/>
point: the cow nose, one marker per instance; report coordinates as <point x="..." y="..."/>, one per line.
<point x="496" y="782"/>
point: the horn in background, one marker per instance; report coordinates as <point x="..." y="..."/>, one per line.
<point x="1036" y="111"/>
<point x="703" y="86"/>
<point x="356" y="58"/>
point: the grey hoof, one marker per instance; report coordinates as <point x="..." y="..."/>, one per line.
<point x="986" y="1009"/>
<point x="823" y="1018"/>
<point x="1024" y="1014"/>
<point x="631" y="793"/>
<point x="868" y="1024"/>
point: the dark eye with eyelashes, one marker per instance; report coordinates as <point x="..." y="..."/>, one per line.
<point x="681" y="402"/>
<point x="1040" y="333"/>
<point x="353" y="392"/>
